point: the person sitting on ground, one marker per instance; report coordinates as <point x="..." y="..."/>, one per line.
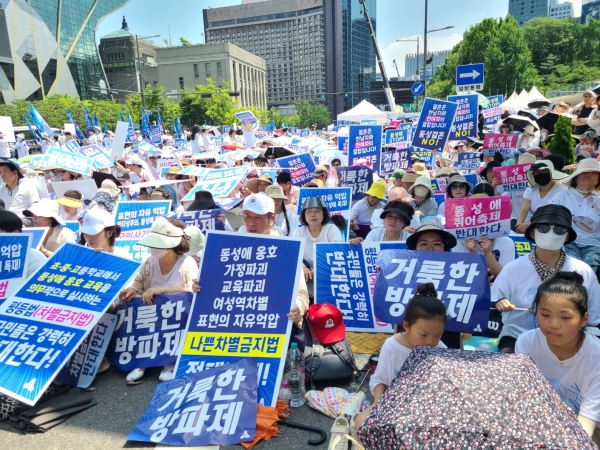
<point x="45" y="215"/>
<point x="422" y="193"/>
<point x="70" y="204"/>
<point x="362" y="211"/>
<point x="396" y="216"/>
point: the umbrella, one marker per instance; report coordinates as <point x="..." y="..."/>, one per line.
<point x="279" y="152"/>
<point x="538" y="102"/>
<point x="520" y="122"/>
<point x="481" y="99"/>
<point x="459" y="399"/>
<point x="99" y="177"/>
<point x="547" y="121"/>
<point x="529" y="113"/>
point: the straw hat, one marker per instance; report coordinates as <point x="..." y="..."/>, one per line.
<point x="410" y="177"/>
<point x="420" y="169"/>
<point x="315" y="183"/>
<point x="163" y="235"/>
<point x="252" y="184"/>
<point x="585" y="165"/>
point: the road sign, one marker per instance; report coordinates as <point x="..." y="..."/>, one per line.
<point x="469" y="78"/>
<point x="417" y="88"/>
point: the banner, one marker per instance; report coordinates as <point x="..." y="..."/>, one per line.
<point x="516" y="173"/>
<point x="155" y="135"/>
<point x="338" y="201"/>
<point x="64" y="159"/>
<point x="100" y="159"/>
<point x="304" y="133"/>
<point x="493" y="111"/>
<point x="138" y="252"/>
<point x="424" y="155"/>
<point x="205" y="220"/>
<point x="523" y="246"/>
<point x="399" y="138"/>
<point x="216" y="406"/>
<point x="249" y="283"/>
<point x="476" y="217"/>
<point x="465" y="121"/>
<point x="246" y="117"/>
<point x="460" y="279"/>
<point x="499" y="141"/>
<point x="395" y="159"/>
<point x="359" y="179"/>
<point x="435" y="122"/>
<point x="38" y="234"/>
<point x="149" y="335"/>
<point x="468" y="161"/>
<point x="300" y="166"/>
<point x="364" y="142"/>
<point x="81" y="368"/>
<point x="50" y="315"/>
<point x="72" y="145"/>
<point x="13" y="262"/>
<point x="136" y="217"/>
<point x="219" y="182"/>
<point x="343" y="143"/>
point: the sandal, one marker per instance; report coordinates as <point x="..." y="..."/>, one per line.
<point x="339" y="430"/>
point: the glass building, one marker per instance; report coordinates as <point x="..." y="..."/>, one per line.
<point x="48" y="47"/>
<point x="525" y="10"/>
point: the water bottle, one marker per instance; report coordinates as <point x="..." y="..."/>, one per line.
<point x="286" y="395"/>
<point x="295" y="375"/>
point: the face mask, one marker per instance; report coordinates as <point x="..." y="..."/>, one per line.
<point x="421" y="191"/>
<point x="158" y="252"/>
<point x="549" y="240"/>
<point x="542" y="178"/>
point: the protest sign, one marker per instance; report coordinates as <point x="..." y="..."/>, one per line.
<point x="165" y="163"/>
<point x="439" y="198"/>
<point x="155" y="135"/>
<point x="475" y="217"/>
<point x="13" y="262"/>
<point x="493" y="111"/>
<point x="220" y="182"/>
<point x="424" y="155"/>
<point x="6" y="128"/>
<point x="343" y="143"/>
<point x="82" y="367"/>
<point x="136" y="218"/>
<point x="301" y="167"/>
<point x="364" y="142"/>
<point x="216" y="406"/>
<point x="368" y="121"/>
<point x="249" y="283"/>
<point x="101" y="159"/>
<point x="226" y="129"/>
<point x="72" y="145"/>
<point x="523" y="246"/>
<point x="395" y="159"/>
<point x="304" y="133"/>
<point x="338" y="201"/>
<point x="138" y="252"/>
<point x="359" y="179"/>
<point x="52" y="313"/>
<point x="468" y="161"/>
<point x="87" y="188"/>
<point x="67" y="160"/>
<point x="439" y="184"/>
<point x="118" y="144"/>
<point x="465" y="120"/>
<point x="460" y="279"/>
<point x="149" y="335"/>
<point x="499" y="141"/>
<point x="38" y="234"/>
<point x="205" y="220"/>
<point x="179" y="142"/>
<point x="516" y="173"/>
<point x="246" y="117"/>
<point x="194" y="170"/>
<point x="399" y="138"/>
<point x="435" y="122"/>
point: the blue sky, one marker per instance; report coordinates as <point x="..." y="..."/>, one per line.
<point x="396" y="19"/>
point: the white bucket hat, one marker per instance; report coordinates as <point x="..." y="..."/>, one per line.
<point x="45" y="208"/>
<point x="163" y="235"/>
<point x="541" y="165"/>
<point x="421" y="181"/>
<point x="196" y="238"/>
<point x="585" y="165"/>
<point x="95" y="220"/>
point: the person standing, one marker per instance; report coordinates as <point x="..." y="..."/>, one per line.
<point x="583" y="112"/>
<point x="92" y="138"/>
<point x="21" y="146"/>
<point x="45" y="143"/>
<point x="4" y="148"/>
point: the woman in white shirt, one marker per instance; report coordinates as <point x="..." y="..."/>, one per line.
<point x="594" y="117"/>
<point x="285" y="217"/>
<point x="197" y="142"/>
<point x="45" y="214"/>
<point x="99" y="231"/>
<point x="396" y="215"/>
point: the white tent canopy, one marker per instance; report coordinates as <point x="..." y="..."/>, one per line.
<point x="364" y="111"/>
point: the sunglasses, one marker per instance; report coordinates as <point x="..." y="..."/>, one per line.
<point x="456" y="187"/>
<point x="558" y="229"/>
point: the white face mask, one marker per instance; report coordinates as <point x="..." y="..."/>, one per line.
<point x="550" y="240"/>
<point x="158" y="252"/>
<point x="421" y="191"/>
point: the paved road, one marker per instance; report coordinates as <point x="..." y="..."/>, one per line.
<point x="106" y="425"/>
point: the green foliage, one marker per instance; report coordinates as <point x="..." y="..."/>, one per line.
<point x="562" y="142"/>
<point x="310" y="113"/>
<point x="184" y="42"/>
<point x="155" y="99"/>
<point x="216" y="107"/>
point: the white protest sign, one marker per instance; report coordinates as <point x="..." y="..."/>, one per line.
<point x="87" y="188"/>
<point x="42" y="187"/>
<point x="6" y="127"/>
<point x="67" y="160"/>
<point x="71" y="128"/>
<point x="118" y="145"/>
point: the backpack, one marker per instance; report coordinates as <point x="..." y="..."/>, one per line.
<point x="326" y="362"/>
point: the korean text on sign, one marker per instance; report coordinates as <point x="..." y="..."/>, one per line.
<point x="468" y="161"/>
<point x="338" y="201"/>
<point x="435" y="122"/>
<point x="301" y="167"/>
<point x="499" y="141"/>
<point x="493" y="111"/>
<point x="13" y="261"/>
<point x="516" y="173"/>
<point x="133" y="217"/>
<point x="205" y="220"/>
<point x="67" y="160"/>
<point x="475" y="217"/>
<point x="395" y="159"/>
<point x="399" y="138"/>
<point x="358" y="178"/>
<point x="465" y="121"/>
<point x="364" y="142"/>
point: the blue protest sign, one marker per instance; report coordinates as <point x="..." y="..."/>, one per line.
<point x="72" y="146"/>
<point x="417" y="88"/>
<point x="424" y="155"/>
<point x="178" y="142"/>
<point x="359" y="179"/>
<point x="395" y="159"/>
<point x="149" y="335"/>
<point x="155" y="135"/>
<point x="435" y="122"/>
<point x="300" y="166"/>
<point x="248" y="284"/>
<point x="304" y="133"/>
<point x="220" y="174"/>
<point x="38" y="234"/>
<point x="460" y="279"/>
<point x="469" y="77"/>
<point x="338" y="201"/>
<point x="226" y="129"/>
<point x="101" y="159"/>
<point x="343" y="143"/>
<point x="368" y="121"/>
<point x="468" y="161"/>
<point x="205" y="220"/>
<point x="364" y="142"/>
<point x="523" y="246"/>
<point x="465" y="120"/>
<point x="246" y="117"/>
<point x="493" y="111"/>
<point x="136" y="217"/>
<point x="82" y="367"/>
<point x="52" y="313"/>
<point x="400" y="138"/>
<point x="439" y="198"/>
<point x="67" y="160"/>
<point x="218" y="188"/>
<point x="138" y="252"/>
<point x="13" y="262"/>
<point x="216" y="406"/>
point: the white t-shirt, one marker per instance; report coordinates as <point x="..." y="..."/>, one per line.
<point x="576" y="380"/>
<point x="60" y="235"/>
<point x="503" y="249"/>
<point x="378" y="235"/>
<point x="93" y="139"/>
<point x="4" y="150"/>
<point x="377" y="221"/>
<point x="329" y="233"/>
<point x="518" y="282"/>
<point x="533" y="195"/>
<point x="391" y="358"/>
<point x="585" y="212"/>
<point x="21" y="198"/>
<point x="173" y="278"/>
<point x="36" y="260"/>
<point x="292" y="219"/>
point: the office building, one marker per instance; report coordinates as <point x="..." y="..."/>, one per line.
<point x="48" y="47"/>
<point x="525" y="10"/>
<point x="413" y="64"/>
<point x="179" y="68"/>
<point x="303" y="56"/>
<point x="590" y="10"/>
<point x="559" y="10"/>
<point x="123" y="55"/>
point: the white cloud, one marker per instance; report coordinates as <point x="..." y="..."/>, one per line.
<point x="399" y="50"/>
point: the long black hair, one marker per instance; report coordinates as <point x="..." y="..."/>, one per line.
<point x="285" y="217"/>
<point x="195" y="130"/>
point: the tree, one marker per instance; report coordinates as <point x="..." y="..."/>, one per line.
<point x="562" y="142"/>
<point x="209" y="103"/>
<point x="165" y="41"/>
<point x="310" y="113"/>
<point x="155" y="100"/>
<point x="185" y="42"/>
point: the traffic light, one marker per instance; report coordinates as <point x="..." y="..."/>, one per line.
<point x="345" y="94"/>
<point x="322" y="95"/>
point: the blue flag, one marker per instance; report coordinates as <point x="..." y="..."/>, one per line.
<point x="89" y="123"/>
<point x="77" y="130"/>
<point x="178" y="127"/>
<point x="39" y="121"/>
<point x="105" y="129"/>
<point x="144" y="125"/>
<point x="159" y="121"/>
<point x="34" y="133"/>
<point x="96" y="122"/>
<point x="130" y="129"/>
<point x="121" y="116"/>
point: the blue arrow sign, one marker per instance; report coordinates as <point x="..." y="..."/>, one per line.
<point x="469" y="77"/>
<point x="417" y="88"/>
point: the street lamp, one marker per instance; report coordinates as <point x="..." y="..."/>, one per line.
<point x="140" y="69"/>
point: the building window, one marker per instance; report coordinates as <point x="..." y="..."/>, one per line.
<point x="219" y="70"/>
<point x="207" y="68"/>
<point x="181" y="82"/>
<point x="196" y="71"/>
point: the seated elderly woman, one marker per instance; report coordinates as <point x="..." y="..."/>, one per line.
<point x="362" y="211"/>
<point x="396" y="216"/>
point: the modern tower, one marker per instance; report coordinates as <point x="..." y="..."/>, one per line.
<point x="525" y="10"/>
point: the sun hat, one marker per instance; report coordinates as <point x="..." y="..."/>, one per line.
<point x="410" y="177"/>
<point x="252" y="184"/>
<point x="44" y="208"/>
<point x="556" y="214"/>
<point x="585" y="165"/>
<point x="400" y="209"/>
<point x="163" y="234"/>
<point x="103" y="199"/>
<point x="421" y="181"/>
<point x="326" y="323"/>
<point x="398" y="173"/>
<point x="541" y="165"/>
<point x="135" y="160"/>
<point x="489" y="166"/>
<point x="319" y="171"/>
<point x="526" y="158"/>
<point x="590" y="92"/>
<point x="95" y="220"/>
<point x="457" y="179"/>
<point x="590" y="134"/>
<point x="203" y="200"/>
<point x="529" y="128"/>
<point x="315" y="183"/>
<point x="377" y="189"/>
<point x="543" y="151"/>
<point x="173" y="170"/>
<point x="110" y="188"/>
<point x="444" y="172"/>
<point x="275" y="191"/>
<point x="259" y="204"/>
<point x="12" y="166"/>
<point x="313" y="202"/>
<point x="71" y="198"/>
<point x="420" y="169"/>
<point x="196" y="238"/>
<point x="448" y="239"/>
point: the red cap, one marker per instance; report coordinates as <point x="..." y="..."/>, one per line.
<point x="326" y="323"/>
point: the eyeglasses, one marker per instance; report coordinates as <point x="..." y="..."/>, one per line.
<point x="558" y="229"/>
<point x="210" y="161"/>
<point x="456" y="187"/>
<point x="393" y="217"/>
